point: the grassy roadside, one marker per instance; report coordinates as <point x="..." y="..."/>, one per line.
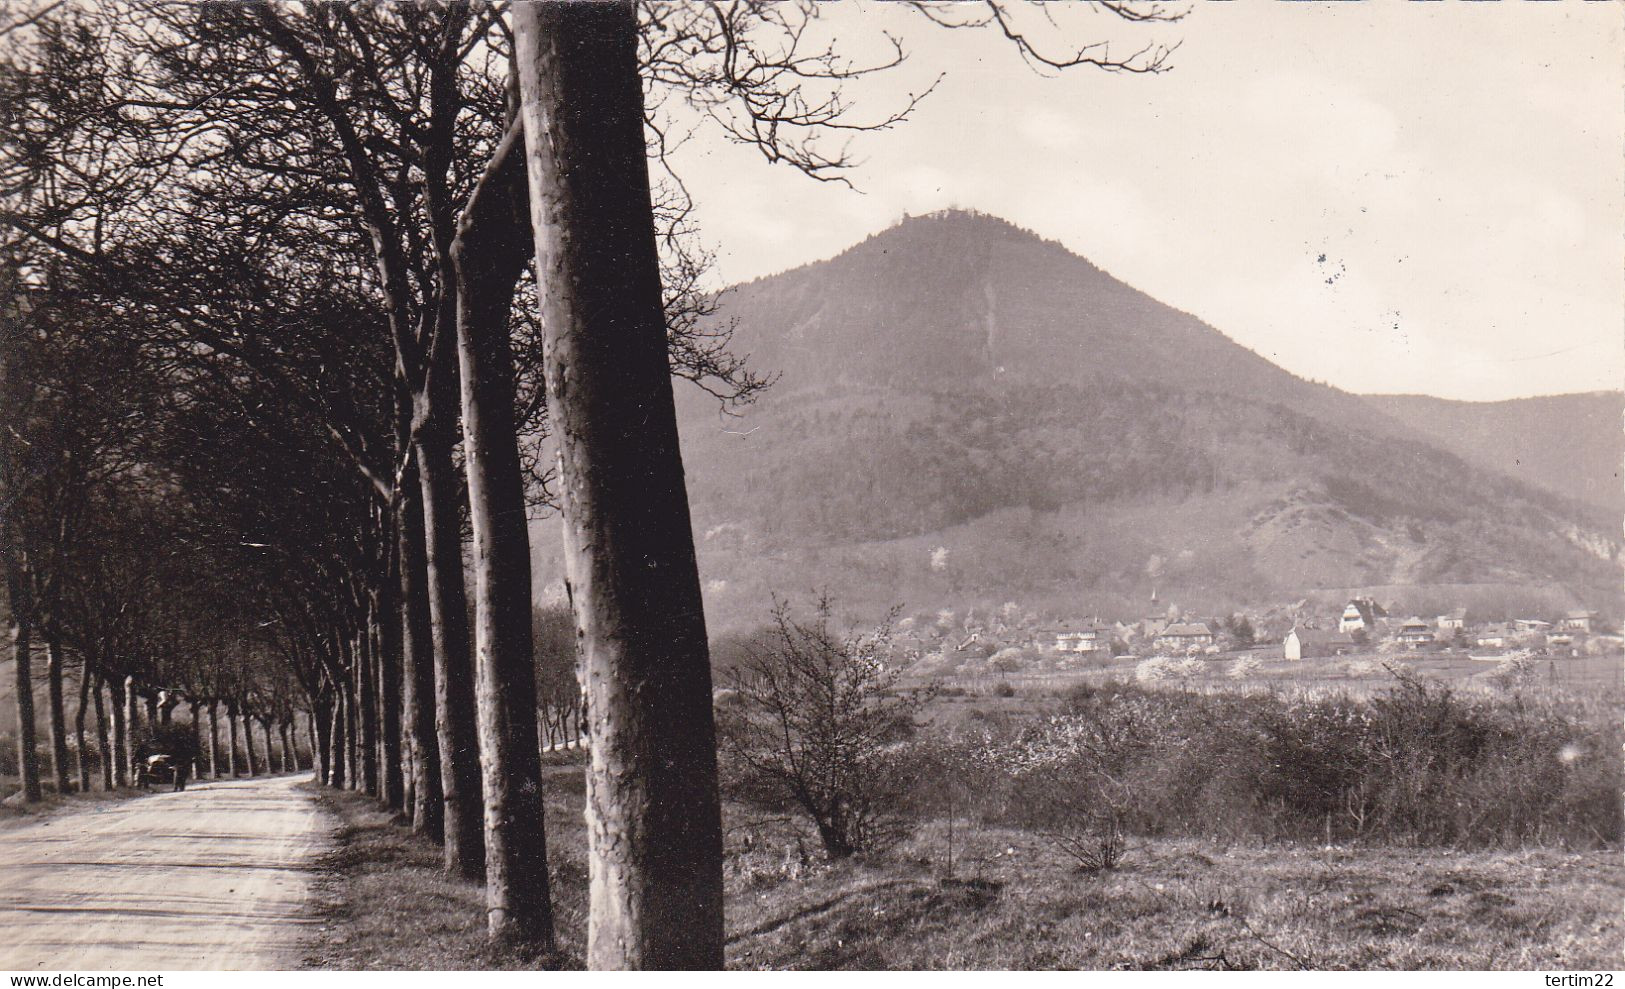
<point x="15" y="813"/>
<point x="385" y="903"/>
<point x="1012" y="902"/>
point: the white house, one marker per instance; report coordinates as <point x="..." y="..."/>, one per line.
<point x="1088" y="639"/>
<point x="1456" y="619"/>
<point x="1360" y="615"/>
<point x="1579" y="621"/>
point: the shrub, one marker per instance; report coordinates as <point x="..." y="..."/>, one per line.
<point x="1246" y="666"/>
<point x="1154" y="669"/>
<point x="1415" y="764"/>
<point x="1190" y="668"/>
<point x="1515" y="671"/>
<point x="1003" y="689"/>
<point x="820" y="727"/>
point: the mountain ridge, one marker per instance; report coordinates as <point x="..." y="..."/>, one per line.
<point x="966" y="411"/>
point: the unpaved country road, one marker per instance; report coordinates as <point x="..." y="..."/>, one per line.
<point x="217" y="877"/>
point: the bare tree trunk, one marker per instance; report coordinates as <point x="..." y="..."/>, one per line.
<point x="151" y="702"/>
<point x="231" y="738"/>
<point x="81" y="749"/>
<point x="290" y="752"/>
<point x="119" y="755"/>
<point x="490" y="254"/>
<point x="448" y="617"/>
<point x="387" y="615"/>
<point x="248" y="743"/>
<point x="653" y="813"/>
<point x="417" y="661"/>
<point x="352" y="764"/>
<point x="104" y="753"/>
<point x="22" y="654"/>
<point x="56" y="713"/>
<point x="214" y="739"/>
<point x="132" y="726"/>
<point x="194" y="710"/>
<point x="321" y="739"/>
<point x="336" y="768"/>
<point x="270" y="747"/>
<point x="366" y="713"/>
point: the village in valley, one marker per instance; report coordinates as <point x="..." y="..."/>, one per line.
<point x="1363" y="640"/>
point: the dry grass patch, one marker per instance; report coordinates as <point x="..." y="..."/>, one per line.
<point x="1014" y="903"/>
<point x="386" y="903"/>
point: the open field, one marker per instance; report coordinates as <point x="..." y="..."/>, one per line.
<point x="1012" y="902"/>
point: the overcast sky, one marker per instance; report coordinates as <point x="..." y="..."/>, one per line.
<point x="1457" y="164"/>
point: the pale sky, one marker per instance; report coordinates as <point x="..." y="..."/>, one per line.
<point x="1458" y="164"/>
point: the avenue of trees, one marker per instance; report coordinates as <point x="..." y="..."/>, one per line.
<point x="292" y="297"/>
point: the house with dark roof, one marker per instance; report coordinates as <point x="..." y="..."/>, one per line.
<point x="1414" y="633"/>
<point x="1182" y="636"/>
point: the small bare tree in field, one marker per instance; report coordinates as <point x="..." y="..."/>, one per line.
<point x="818" y="723"/>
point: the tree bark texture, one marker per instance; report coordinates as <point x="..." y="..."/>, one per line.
<point x="214" y="739"/>
<point x="56" y="713"/>
<point x="456" y="731"/>
<point x="490" y="253"/>
<point x="104" y="751"/>
<point x="22" y="655"/>
<point x="81" y="750"/>
<point x="417" y="662"/>
<point x="653" y="813"/>
<point x="132" y="726"/>
<point x="119" y="755"/>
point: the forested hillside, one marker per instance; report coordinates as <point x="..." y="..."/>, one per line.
<point x="967" y="412"/>
<point x="1570" y="444"/>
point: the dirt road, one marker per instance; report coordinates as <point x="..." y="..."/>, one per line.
<point x="218" y="877"/>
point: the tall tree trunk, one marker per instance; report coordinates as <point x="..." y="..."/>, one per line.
<point x="119" y="755"/>
<point x="448" y="622"/>
<point x="321" y="731"/>
<point x="653" y="814"/>
<point x="80" y="748"/>
<point x="56" y="719"/>
<point x="290" y="752"/>
<point x="104" y="752"/>
<point x="22" y="654"/>
<point x="151" y="701"/>
<point x="336" y="774"/>
<point x="271" y="757"/>
<point x="231" y="738"/>
<point x="352" y="719"/>
<point x="132" y="726"/>
<point x="248" y="743"/>
<point x="367" y="705"/>
<point x="387" y="615"/>
<point x="417" y="661"/>
<point x="194" y="710"/>
<point x="490" y="254"/>
<point x="214" y="739"/>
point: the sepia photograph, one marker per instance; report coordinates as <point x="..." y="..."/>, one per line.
<point x="780" y="485"/>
